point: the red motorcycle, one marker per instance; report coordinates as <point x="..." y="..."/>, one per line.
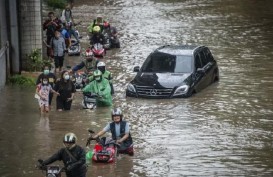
<point x="88" y="53"/>
<point x="105" y="149"/>
<point x="98" y="50"/>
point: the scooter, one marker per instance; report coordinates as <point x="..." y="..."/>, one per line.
<point x="79" y="79"/>
<point x="114" y="42"/>
<point x="75" y="48"/>
<point x="105" y="149"/>
<point x="89" y="101"/>
<point x="52" y="170"/>
<point x="111" y="41"/>
<point x="98" y="50"/>
<point x="107" y="44"/>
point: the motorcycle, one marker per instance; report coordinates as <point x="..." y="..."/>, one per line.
<point x="105" y="149"/>
<point x="80" y="80"/>
<point x="111" y="41"/>
<point x="89" y="101"/>
<point x="52" y="170"/>
<point x="114" y="42"/>
<point x="88" y="53"/>
<point x="107" y="44"/>
<point x="98" y="50"/>
<point x="75" y="48"/>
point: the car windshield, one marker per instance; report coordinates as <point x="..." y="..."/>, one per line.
<point x="162" y="62"/>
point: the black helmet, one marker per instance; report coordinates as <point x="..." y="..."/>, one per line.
<point x="70" y="138"/>
<point x="117" y="112"/>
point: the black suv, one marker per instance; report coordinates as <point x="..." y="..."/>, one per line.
<point x="174" y="71"/>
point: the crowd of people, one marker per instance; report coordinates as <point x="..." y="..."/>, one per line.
<point x="99" y="82"/>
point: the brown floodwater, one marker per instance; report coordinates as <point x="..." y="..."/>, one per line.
<point x="225" y="130"/>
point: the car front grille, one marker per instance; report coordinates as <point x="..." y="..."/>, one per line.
<point x="153" y="92"/>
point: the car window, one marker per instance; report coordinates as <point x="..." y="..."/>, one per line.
<point x="203" y="57"/>
<point x="208" y="55"/>
<point x="197" y="62"/>
<point x="162" y="62"/>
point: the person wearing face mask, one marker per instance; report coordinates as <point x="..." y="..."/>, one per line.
<point x="67" y="89"/>
<point x="51" y="80"/>
<point x="105" y="73"/>
<point x="101" y="87"/>
<point x="58" y="45"/>
<point x="72" y="155"/>
<point x="43" y="89"/>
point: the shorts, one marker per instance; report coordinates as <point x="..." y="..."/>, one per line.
<point x="58" y="61"/>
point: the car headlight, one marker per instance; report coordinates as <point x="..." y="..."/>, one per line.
<point x="181" y="90"/>
<point x="131" y="88"/>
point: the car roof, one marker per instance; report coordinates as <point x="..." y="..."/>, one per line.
<point x="178" y="49"/>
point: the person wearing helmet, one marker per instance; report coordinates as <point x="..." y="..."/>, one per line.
<point x="112" y="33"/>
<point x="101" y="87"/>
<point x="90" y="62"/>
<point x="120" y="131"/>
<point x="96" y="22"/>
<point x="97" y="36"/>
<point x="105" y="73"/>
<point x="72" y="155"/>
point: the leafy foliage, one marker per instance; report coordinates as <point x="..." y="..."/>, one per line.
<point x="35" y="61"/>
<point x="57" y="4"/>
<point x="21" y="80"/>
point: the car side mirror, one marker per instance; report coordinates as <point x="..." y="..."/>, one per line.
<point x="136" y="69"/>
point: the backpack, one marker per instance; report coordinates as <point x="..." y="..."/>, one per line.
<point x="63" y="16"/>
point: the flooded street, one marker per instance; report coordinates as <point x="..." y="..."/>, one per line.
<point x="225" y="130"/>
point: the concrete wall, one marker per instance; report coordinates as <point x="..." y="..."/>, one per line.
<point x="30" y="22"/>
<point x="4" y="39"/>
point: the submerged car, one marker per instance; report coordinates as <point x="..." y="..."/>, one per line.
<point x="174" y="72"/>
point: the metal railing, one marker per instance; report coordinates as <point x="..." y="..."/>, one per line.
<point x="4" y="64"/>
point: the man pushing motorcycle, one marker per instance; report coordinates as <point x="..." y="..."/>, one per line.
<point x="101" y="87"/>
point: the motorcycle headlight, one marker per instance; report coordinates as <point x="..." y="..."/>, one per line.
<point x="181" y="90"/>
<point x="131" y="88"/>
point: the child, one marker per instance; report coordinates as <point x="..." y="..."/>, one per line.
<point x="43" y="89"/>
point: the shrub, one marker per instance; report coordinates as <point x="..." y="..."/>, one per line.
<point x="57" y="4"/>
<point x="21" y="80"/>
<point x="35" y="61"/>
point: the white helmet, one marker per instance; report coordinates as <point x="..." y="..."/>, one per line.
<point x="101" y="66"/>
<point x="101" y="63"/>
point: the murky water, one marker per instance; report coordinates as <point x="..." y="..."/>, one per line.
<point x="225" y="130"/>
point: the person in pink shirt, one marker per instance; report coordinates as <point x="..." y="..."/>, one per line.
<point x="43" y="89"/>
